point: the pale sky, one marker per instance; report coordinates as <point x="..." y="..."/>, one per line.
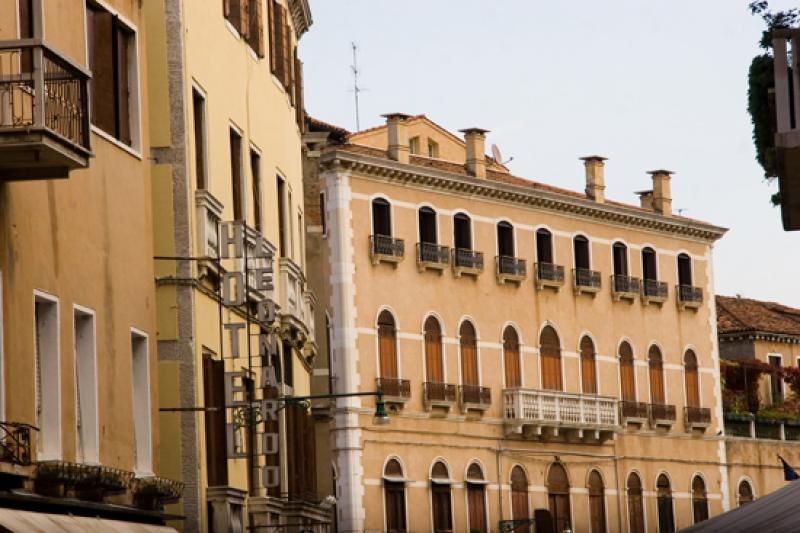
<point x="648" y="84"/>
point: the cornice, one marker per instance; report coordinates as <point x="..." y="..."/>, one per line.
<point x="301" y="16"/>
<point x="765" y="336"/>
<point x="403" y="174"/>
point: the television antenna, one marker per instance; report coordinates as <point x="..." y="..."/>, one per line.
<point x="356" y="89"/>
<point x="498" y="156"/>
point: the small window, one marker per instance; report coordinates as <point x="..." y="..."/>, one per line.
<point x="511" y="358"/>
<point x="649" y="271"/>
<point x="381" y="218"/>
<point x="469" y="354"/>
<point x="581" y="248"/>
<point x="684" y="270"/>
<point x="462" y="232"/>
<point x="255" y="171"/>
<point x="433" y="148"/>
<point x="544" y="246"/>
<point x="88" y="445"/>
<point x="280" y="44"/>
<point x="255" y="30"/>
<point x="745" y="492"/>
<point x="237" y="176"/>
<point x="413" y="145"/>
<point x="288" y="364"/>
<point x="323" y="216"/>
<point x="775" y="381"/>
<point x="440" y="472"/>
<point x="620" y="252"/>
<point x="505" y="239"/>
<point x="427" y="226"/>
<point x="282" y="236"/>
<point x="692" y="379"/>
<point x="588" y="368"/>
<point x="387" y="345"/>
<point x="200" y="147"/>
<point x="699" y="500"/>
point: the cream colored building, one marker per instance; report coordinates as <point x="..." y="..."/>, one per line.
<point x="226" y="120"/>
<point x="538" y="348"/>
<point x="79" y="435"/>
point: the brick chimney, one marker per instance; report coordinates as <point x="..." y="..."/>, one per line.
<point x="475" y="143"/>
<point x="398" y="136"/>
<point x="595" y="177"/>
<point x="662" y="195"/>
<point x="646" y="199"/>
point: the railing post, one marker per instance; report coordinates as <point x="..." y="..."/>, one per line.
<point x="782" y="433"/>
<point x="38" y="87"/>
<point x="519" y="413"/>
<point x="752" y="428"/>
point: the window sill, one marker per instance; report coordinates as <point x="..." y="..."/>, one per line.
<point x="113" y="140"/>
<point x="232" y="29"/>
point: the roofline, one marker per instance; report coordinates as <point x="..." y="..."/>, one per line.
<point x="754" y="334"/>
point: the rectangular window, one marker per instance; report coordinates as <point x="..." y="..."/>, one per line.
<point x="142" y="425"/>
<point x="255" y="32"/>
<point x="322" y="215"/>
<point x="300" y="239"/>
<point x="237" y="187"/>
<point x="214" y="396"/>
<point x="200" y="158"/>
<point x="255" y="171"/>
<point x="775" y="381"/>
<point x="280" y="41"/>
<point x="288" y="368"/>
<point x="88" y="444"/>
<point x="48" y="371"/>
<point x="235" y="12"/>
<point x="281" y="187"/>
<point x="112" y="57"/>
<point x="290" y="228"/>
<point x="413" y="145"/>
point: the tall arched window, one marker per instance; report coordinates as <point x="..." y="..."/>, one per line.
<point x="544" y="246"/>
<point x="519" y="498"/>
<point x="511" y="357"/>
<point x="699" y="500"/>
<point x="597" y="503"/>
<point x="580" y="246"/>
<point x="394" y="490"/>
<point x="381" y="217"/>
<point x="462" y="232"/>
<point x="655" y="364"/>
<point x="469" y="354"/>
<point x="434" y="368"/>
<point x="387" y="345"/>
<point x="440" y="498"/>
<point x="558" y="496"/>
<point x="588" y="367"/>
<point x="476" y="498"/>
<point x="620" y="252"/>
<point x="666" y="521"/>
<point x="550" y="352"/>
<point x="692" y="379"/>
<point x="427" y="226"/>
<point x="505" y="239"/>
<point x="684" y="270"/>
<point x="649" y="270"/>
<point x="627" y="374"/>
<point x="635" y="504"/>
<point x="745" y="492"/>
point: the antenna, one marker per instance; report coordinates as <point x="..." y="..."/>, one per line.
<point x="356" y="88"/>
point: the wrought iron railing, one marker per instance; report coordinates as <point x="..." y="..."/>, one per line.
<point x="662" y="412"/>
<point x="654" y="288"/>
<point x="549" y="272"/>
<point x="586" y="278"/>
<point x="475" y="394"/>
<point x="41" y="89"/>
<point x="511" y="266"/>
<point x="559" y="408"/>
<point x="439" y="392"/>
<point x="386" y="245"/>
<point x="625" y="284"/>
<point x="428" y="252"/>
<point x="15" y="443"/>
<point x="689" y="294"/>
<point x="394" y="387"/>
<point x="465" y="258"/>
<point x="629" y="409"/>
<point x="697" y="415"/>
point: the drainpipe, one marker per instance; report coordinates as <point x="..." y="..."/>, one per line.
<point x="497" y="453"/>
<point x="619" y="493"/>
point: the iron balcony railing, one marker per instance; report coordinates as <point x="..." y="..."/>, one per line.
<point x="662" y="412"/>
<point x="475" y="394"/>
<point x="586" y="278"/>
<point x="697" y="415"/>
<point x="654" y="289"/>
<point x="629" y="409"/>
<point x="541" y="407"/>
<point x="689" y="295"/>
<point x="549" y="272"/>
<point x="511" y="266"/>
<point x="428" y="252"/>
<point x="625" y="284"/>
<point x="387" y="246"/>
<point x="465" y="258"/>
<point x="15" y="443"/>
<point x="439" y="392"/>
<point x="394" y="387"/>
<point x="40" y="89"/>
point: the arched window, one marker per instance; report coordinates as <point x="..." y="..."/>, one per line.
<point x="511" y="357"/>
<point x="635" y="504"/>
<point x="626" y="372"/>
<point x="558" y="495"/>
<point x="544" y="246"/>
<point x="550" y="352"/>
<point x="580" y="245"/>
<point x="440" y="498"/>
<point x="462" y="232"/>
<point x="597" y="503"/>
<point x="434" y="368"/>
<point x="476" y="498"/>
<point x="469" y="354"/>
<point x="387" y="345"/>
<point x="684" y="270"/>
<point x="394" y="490"/>
<point x="588" y="367"/>
<point x="381" y="217"/>
<point x="649" y="270"/>
<point x="505" y="239"/>
<point x="620" y="252"/>
<point x="519" y="498"/>
<point x="699" y="500"/>
<point x="666" y="521"/>
<point x="745" y="492"/>
<point x="655" y="364"/>
<point x="427" y="226"/>
<point x="692" y="379"/>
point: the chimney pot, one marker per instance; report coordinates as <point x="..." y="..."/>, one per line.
<point x="398" y="136"/>
<point x="646" y="199"/>
<point x="662" y="194"/>
<point x="475" y="143"/>
<point x="595" y="177"/>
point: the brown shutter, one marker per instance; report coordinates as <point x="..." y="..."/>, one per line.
<point x="298" y="91"/>
<point x="255" y="34"/>
<point x="550" y="350"/>
<point x="286" y="51"/>
<point x="692" y="380"/>
<point x="387" y="345"/>
<point x="123" y="42"/>
<point x="511" y="358"/>
<point x="635" y="505"/>
<point x="588" y="370"/>
<point x="656" y="368"/>
<point x="626" y="372"/>
<point x="442" y="511"/>
<point x="477" y="507"/>
<point x="433" y="351"/>
<point x="101" y="63"/>
<point x="226" y="8"/>
<point x="469" y="355"/>
<point x="271" y="27"/>
<point x="519" y="498"/>
<point x="214" y="396"/>
<point x="244" y="18"/>
<point x="597" y="509"/>
<point x="395" y="506"/>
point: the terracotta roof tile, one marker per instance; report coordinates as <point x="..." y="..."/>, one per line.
<point x="739" y="315"/>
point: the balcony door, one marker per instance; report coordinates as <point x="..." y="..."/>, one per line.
<point x="544" y="246"/>
<point x="655" y="364"/>
<point x="387" y="345"/>
<point x="505" y="239"/>
<point x="684" y="270"/>
<point x="692" y="379"/>
<point x="476" y="499"/>
<point x="666" y="520"/>
<point x="649" y="272"/>
<point x="427" y="226"/>
<point x="441" y="498"/>
<point x="620" y="252"/>
<point x="550" y="352"/>
<point x="469" y="354"/>
<point x="588" y="368"/>
<point x="627" y="374"/>
<point x="462" y="232"/>
<point x="434" y="371"/>
<point x="635" y="504"/>
<point x="519" y="498"/>
<point x="581" y="248"/>
<point x="381" y="218"/>
<point x="558" y="496"/>
<point x="511" y="358"/>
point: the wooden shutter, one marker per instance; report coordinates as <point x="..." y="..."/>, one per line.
<point x="656" y="367"/>
<point x="588" y="369"/>
<point x="597" y="509"/>
<point x="123" y="42"/>
<point x="271" y="25"/>
<point x="477" y="507"/>
<point x="214" y="396"/>
<point x="519" y="498"/>
<point x="442" y="511"/>
<point x="692" y="380"/>
<point x="699" y="500"/>
<point x="433" y="351"/>
<point x="226" y="7"/>
<point x="387" y="345"/>
<point x="255" y="32"/>
<point x="469" y="355"/>
<point x="277" y="41"/>
<point x="550" y="351"/>
<point x="511" y="358"/>
<point x="635" y="505"/>
<point x="101" y="63"/>
<point x="244" y="18"/>
<point x="626" y="373"/>
<point x="395" y="506"/>
<point x="286" y="51"/>
<point x="299" y="109"/>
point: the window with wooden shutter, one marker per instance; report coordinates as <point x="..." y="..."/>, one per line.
<point x="440" y="498"/>
<point x="255" y="31"/>
<point x="387" y="345"/>
<point x="588" y="367"/>
<point x="277" y="41"/>
<point x="511" y="357"/>
<point x="666" y="520"/>
<point x="597" y="506"/>
<point x="626" y="372"/>
<point x="299" y="109"/>
<point x="692" y="379"/>
<point x="550" y="351"/>
<point x="214" y="397"/>
<point x="433" y="351"/>
<point x="286" y="51"/>
<point x="635" y="504"/>
<point x="394" y="497"/>
<point x="476" y="499"/>
<point x="272" y="35"/>
<point x="519" y="498"/>
<point x="469" y="354"/>
<point x="655" y="364"/>
<point x="699" y="500"/>
<point x="558" y="496"/>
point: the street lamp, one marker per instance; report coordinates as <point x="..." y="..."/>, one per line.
<point x="380" y="418"/>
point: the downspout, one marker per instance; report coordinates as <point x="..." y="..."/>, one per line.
<point x="619" y="494"/>
<point x="497" y="453"/>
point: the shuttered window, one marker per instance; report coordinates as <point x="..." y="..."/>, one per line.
<point x="301" y="453"/>
<point x="433" y="351"/>
<point x="469" y="354"/>
<point x="692" y="379"/>
<point x="255" y="32"/>
<point x="699" y="500"/>
<point x="214" y="397"/>
<point x="394" y="497"/>
<point x="597" y="506"/>
<point x="236" y="12"/>
<point x="550" y="350"/>
<point x="476" y="499"/>
<point x="519" y="498"/>
<point x="666" y="520"/>
<point x="655" y="364"/>
<point x="387" y="345"/>
<point x="558" y="496"/>
<point x="299" y="105"/>
<point x="511" y="357"/>
<point x="281" y="53"/>
<point x="626" y="372"/>
<point x="588" y="367"/>
<point x="635" y="505"/>
<point x="440" y="498"/>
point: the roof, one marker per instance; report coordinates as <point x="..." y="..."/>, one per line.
<point x="315" y="124"/>
<point x="744" y="315"/>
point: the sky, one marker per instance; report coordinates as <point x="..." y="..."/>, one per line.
<point x="648" y="84"/>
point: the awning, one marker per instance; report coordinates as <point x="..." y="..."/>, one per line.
<point x="30" y="522"/>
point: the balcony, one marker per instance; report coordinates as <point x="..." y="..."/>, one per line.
<point x="654" y="292"/>
<point x="544" y="414"/>
<point x="15" y="444"/>
<point x="293" y="313"/>
<point x="633" y="412"/>
<point x="474" y="398"/>
<point x="696" y="418"/>
<point x="394" y="390"/>
<point x="431" y="256"/>
<point x="44" y="119"/>
<point x="510" y="269"/>
<point x="586" y="281"/>
<point x="549" y="275"/>
<point x="625" y="288"/>
<point x="383" y="248"/>
<point x="467" y="262"/>
<point x="662" y="415"/>
<point x="689" y="297"/>
<point x="441" y="395"/>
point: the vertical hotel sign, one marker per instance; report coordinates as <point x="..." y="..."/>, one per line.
<point x="247" y="410"/>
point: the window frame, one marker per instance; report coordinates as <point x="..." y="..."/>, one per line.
<point x="549" y="232"/>
<point x="54" y="449"/>
<point x="93" y="456"/>
<point x="471" y="322"/>
<point x="588" y="251"/>
<point x="202" y="153"/>
<point x="505" y="225"/>
<point x="143" y="466"/>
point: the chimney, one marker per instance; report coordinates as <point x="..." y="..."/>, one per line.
<point x="398" y="136"/>
<point x="595" y="177"/>
<point x="662" y="196"/>
<point x="475" y="143"/>
<point x="646" y="199"/>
